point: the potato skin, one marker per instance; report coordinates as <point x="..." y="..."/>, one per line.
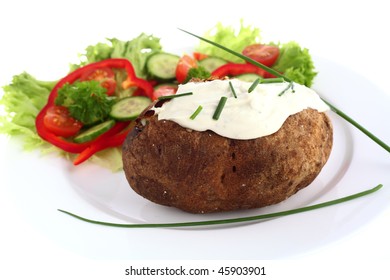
<point x="202" y="172"/>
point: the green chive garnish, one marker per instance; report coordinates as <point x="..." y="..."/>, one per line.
<point x="290" y="85"/>
<point x="254" y="85"/>
<point x="277" y="74"/>
<point x="220" y="106"/>
<point x="233" y="220"/>
<point x="272" y="80"/>
<point x="232" y="88"/>
<point x="197" y="111"/>
<point x="174" y="95"/>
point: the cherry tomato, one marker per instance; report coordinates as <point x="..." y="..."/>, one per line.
<point x="186" y="62"/>
<point x="264" y="54"/>
<point x="105" y="76"/>
<point x="58" y="121"/>
<point x="163" y="90"/>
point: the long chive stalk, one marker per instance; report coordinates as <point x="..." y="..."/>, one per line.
<point x="276" y="73"/>
<point x="358" y="126"/>
<point x="165" y="97"/>
<point x="234" y="220"/>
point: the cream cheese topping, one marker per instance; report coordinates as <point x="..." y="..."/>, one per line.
<point x="251" y="115"/>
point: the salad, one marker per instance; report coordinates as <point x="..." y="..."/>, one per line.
<point x="87" y="114"/>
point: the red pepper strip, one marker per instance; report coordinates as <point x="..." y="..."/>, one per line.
<point x="114" y="141"/>
<point x="235" y="69"/>
<point x="133" y="81"/>
<point x="75" y="75"/>
<point x="71" y="78"/>
<point x="199" y="56"/>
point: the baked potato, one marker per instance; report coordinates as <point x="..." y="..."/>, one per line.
<point x="203" y="172"/>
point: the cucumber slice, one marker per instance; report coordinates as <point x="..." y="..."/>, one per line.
<point x="250" y="77"/>
<point x="162" y="66"/>
<point x="94" y="132"/>
<point x="129" y="108"/>
<point x="211" y="63"/>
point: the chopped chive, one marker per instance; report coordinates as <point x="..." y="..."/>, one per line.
<point x="232" y="88"/>
<point x="219" y="109"/>
<point x="272" y="80"/>
<point x="232" y="220"/>
<point x="174" y="95"/>
<point x="254" y="85"/>
<point x="290" y="85"/>
<point x="197" y="111"/>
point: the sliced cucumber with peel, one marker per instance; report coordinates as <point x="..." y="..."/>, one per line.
<point x="211" y="63"/>
<point x="94" y="131"/>
<point x="249" y="77"/>
<point x="129" y="108"/>
<point x="162" y="66"/>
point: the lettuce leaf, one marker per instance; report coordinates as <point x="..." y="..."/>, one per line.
<point x="229" y="37"/>
<point x="136" y="51"/>
<point x="295" y="63"/>
<point x="22" y="101"/>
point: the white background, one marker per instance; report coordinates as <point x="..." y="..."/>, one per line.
<point x="43" y="37"/>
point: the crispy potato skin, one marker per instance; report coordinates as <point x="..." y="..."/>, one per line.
<point x="202" y="172"/>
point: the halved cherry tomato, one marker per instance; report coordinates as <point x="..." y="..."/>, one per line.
<point x="58" y="121"/>
<point x="264" y="54"/>
<point x="105" y="76"/>
<point x="186" y="62"/>
<point x="164" y="90"/>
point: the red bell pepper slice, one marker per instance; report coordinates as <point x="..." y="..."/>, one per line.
<point x="107" y="142"/>
<point x="199" y="56"/>
<point x="133" y="81"/>
<point x="72" y="147"/>
<point x="235" y="69"/>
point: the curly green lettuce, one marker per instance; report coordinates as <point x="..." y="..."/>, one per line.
<point x="22" y="101"/>
<point x="295" y="63"/>
<point x="231" y="38"/>
<point x="136" y="51"/>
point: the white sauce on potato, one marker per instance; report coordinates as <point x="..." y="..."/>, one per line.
<point x="250" y="115"/>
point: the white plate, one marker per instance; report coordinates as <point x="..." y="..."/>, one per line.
<point x="356" y="164"/>
<point x="111" y="192"/>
